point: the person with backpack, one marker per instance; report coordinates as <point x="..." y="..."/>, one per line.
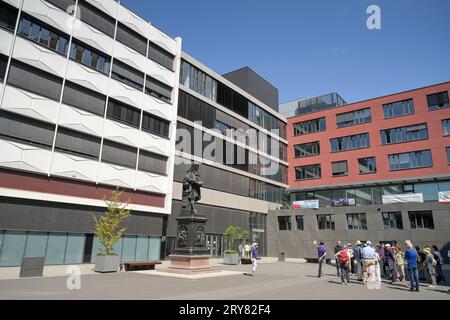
<point x="440" y="261"/>
<point x="430" y="266"/>
<point x="343" y="258"/>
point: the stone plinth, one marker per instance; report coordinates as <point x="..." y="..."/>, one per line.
<point x="190" y="263"/>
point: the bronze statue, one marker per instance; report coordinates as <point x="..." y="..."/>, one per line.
<point x="191" y="188"/>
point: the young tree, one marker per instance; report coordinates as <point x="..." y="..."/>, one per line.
<point x="107" y="227"/>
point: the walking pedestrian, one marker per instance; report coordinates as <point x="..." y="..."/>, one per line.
<point x="400" y="264"/>
<point x="358" y="259"/>
<point x="343" y="259"/>
<point x="321" y="254"/>
<point x="337" y="248"/>
<point x="254" y="257"/>
<point x="430" y="266"/>
<point x="440" y="261"/>
<point x="411" y="257"/>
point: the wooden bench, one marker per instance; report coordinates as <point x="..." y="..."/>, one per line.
<point x="140" y="265"/>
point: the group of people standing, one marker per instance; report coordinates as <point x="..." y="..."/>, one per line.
<point x="369" y="263"/>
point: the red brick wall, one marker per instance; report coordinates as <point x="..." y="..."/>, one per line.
<point x="436" y="142"/>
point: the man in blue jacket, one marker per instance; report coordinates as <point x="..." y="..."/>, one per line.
<point x="321" y="254"/>
<point x="358" y="258"/>
<point x="413" y="272"/>
<point x="254" y="256"/>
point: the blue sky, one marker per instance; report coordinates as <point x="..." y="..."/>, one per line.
<point x="308" y="48"/>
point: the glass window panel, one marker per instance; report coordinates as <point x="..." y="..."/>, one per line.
<point x="35" y="30"/>
<point x="36" y="245"/>
<point x="96" y="249"/>
<point x="74" y="248"/>
<point x="129" y="248"/>
<point x="154" y="248"/>
<point x="429" y="191"/>
<point x="13" y="248"/>
<point x="142" y="244"/>
<point x="56" y="248"/>
<point x="44" y="37"/>
<point x="87" y="57"/>
<point x="25" y="27"/>
<point x="444" y="186"/>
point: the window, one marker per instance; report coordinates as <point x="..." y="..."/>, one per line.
<point x="392" y="220"/>
<point x="62" y="4"/>
<point x="357" y="221"/>
<point x="3" y="64"/>
<point x="309" y="126"/>
<point x="37" y="33"/>
<point x="8" y="16"/>
<point x="26" y="130"/>
<point x="367" y="165"/>
<point x="96" y="18"/>
<point x="120" y="112"/>
<point x="197" y="80"/>
<point x="308" y="172"/>
<point x="128" y="75"/>
<point x="421" y="219"/>
<point x="34" y="80"/>
<point x="161" y="56"/>
<point x="358" y="141"/>
<point x="131" y="39"/>
<point x="404" y="134"/>
<point x="353" y="118"/>
<point x="225" y="129"/>
<point x="438" y="100"/>
<point x="193" y="109"/>
<point x="78" y="143"/>
<point x="408" y="160"/>
<point x="325" y="222"/>
<point x="397" y="109"/>
<point x="89" y="57"/>
<point x="84" y="98"/>
<point x="152" y="162"/>
<point x="153" y="124"/>
<point x="300" y="224"/>
<point x="284" y="223"/>
<point x="158" y="89"/>
<point x="339" y="168"/>
<point x="307" y="149"/>
<point x="448" y="155"/>
<point x="119" y="154"/>
<point x="446" y="127"/>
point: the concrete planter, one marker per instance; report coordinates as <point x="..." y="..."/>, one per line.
<point x="231" y="258"/>
<point x="106" y="264"/>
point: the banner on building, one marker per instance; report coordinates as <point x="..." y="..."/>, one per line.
<point x="444" y="196"/>
<point x="306" y="204"/>
<point x="402" y="198"/>
<point x="343" y="202"/>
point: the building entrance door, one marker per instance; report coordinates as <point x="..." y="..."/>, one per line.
<point x="214" y="245"/>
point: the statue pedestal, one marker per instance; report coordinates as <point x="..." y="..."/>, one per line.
<point x="190" y="254"/>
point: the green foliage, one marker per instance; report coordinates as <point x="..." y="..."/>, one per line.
<point x="231" y="235"/>
<point x="107" y="227"/>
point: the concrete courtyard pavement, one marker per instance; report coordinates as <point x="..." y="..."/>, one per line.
<point x="273" y="281"/>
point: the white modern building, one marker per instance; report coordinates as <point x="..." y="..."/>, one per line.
<point x="87" y="104"/>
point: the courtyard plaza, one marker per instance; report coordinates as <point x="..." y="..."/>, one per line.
<point x="290" y="280"/>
